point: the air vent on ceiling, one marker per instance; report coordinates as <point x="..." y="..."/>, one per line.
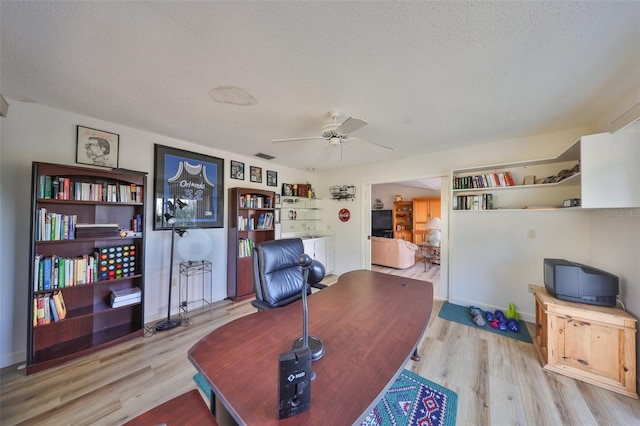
<point x="265" y="156"/>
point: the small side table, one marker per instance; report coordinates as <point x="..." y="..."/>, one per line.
<point x="429" y="253"/>
<point x="193" y="273"/>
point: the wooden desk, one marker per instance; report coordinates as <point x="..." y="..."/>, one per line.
<point x="370" y="324"/>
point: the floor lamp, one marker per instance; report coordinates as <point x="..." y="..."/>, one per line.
<point x="169" y="323"/>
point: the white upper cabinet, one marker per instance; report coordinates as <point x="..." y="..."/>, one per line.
<point x="610" y="166"/>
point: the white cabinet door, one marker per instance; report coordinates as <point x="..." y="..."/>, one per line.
<point x="330" y="265"/>
<point x="610" y="170"/>
<point x="309" y="247"/>
<point x="322" y="250"/>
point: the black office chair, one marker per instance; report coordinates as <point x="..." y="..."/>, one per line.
<point x="277" y="274"/>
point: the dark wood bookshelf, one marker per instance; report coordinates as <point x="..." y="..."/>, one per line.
<point x="239" y="268"/>
<point x="91" y="323"/>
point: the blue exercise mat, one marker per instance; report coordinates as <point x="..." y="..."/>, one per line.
<point x="461" y="315"/>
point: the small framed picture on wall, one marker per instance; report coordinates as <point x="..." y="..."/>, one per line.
<point x="272" y="178"/>
<point x="237" y="170"/>
<point x="97" y="147"/>
<point x="256" y="174"/>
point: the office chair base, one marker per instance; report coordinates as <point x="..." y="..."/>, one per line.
<point x="315" y="344"/>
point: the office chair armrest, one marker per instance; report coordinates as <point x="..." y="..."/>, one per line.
<point x="260" y="305"/>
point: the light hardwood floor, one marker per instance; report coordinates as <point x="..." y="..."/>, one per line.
<point x="498" y="380"/>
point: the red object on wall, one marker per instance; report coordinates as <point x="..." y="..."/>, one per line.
<point x="344" y="215"/>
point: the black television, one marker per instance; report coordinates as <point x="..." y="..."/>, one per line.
<point x="381" y="223"/>
<point x="574" y="282"/>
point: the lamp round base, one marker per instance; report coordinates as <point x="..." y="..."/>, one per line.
<point x="168" y="324"/>
<point x="315" y="345"/>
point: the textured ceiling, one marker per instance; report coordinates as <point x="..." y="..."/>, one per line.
<point x="427" y="76"/>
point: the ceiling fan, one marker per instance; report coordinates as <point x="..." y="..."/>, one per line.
<point x="337" y="133"/>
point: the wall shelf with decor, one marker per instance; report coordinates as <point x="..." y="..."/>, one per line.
<point x="598" y="170"/>
<point x="251" y="221"/>
<point x="75" y="269"/>
<point x="518" y="185"/>
<point x="299" y="215"/>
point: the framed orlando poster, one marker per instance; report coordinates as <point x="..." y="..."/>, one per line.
<point x="188" y="187"/>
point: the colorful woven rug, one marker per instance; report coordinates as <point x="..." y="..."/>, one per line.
<point x="414" y="400"/>
<point x="411" y="401"/>
<point x="460" y="314"/>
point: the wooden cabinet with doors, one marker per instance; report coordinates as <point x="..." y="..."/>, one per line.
<point x="403" y="220"/>
<point x="424" y="209"/>
<point x="595" y="344"/>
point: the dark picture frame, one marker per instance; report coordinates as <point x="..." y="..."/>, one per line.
<point x="287" y="189"/>
<point x="272" y="178"/>
<point x="276" y="199"/>
<point x="97" y="147"/>
<point x="255" y="174"/>
<point x="196" y="180"/>
<point x="237" y="170"/>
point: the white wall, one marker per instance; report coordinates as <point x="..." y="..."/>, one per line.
<point x="32" y="132"/>
<point x="493" y="259"/>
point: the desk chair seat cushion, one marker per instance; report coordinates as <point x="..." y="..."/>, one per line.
<point x="277" y="271"/>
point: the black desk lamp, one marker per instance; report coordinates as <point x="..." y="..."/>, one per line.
<point x="312" y="271"/>
<point x="169" y="323"/>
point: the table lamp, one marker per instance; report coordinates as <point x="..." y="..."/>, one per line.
<point x="433" y="236"/>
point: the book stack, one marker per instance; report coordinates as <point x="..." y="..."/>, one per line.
<point x="489" y="180"/>
<point x="125" y="296"/>
<point x="48" y="307"/>
<point x="97" y="230"/>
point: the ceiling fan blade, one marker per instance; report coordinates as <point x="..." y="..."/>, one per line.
<point x="296" y="139"/>
<point x="350" y="125"/>
<point x="328" y="152"/>
<point x="370" y="143"/>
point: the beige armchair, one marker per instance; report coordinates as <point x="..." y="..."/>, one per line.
<point x="394" y="253"/>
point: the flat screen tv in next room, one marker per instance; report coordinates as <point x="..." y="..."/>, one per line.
<point x="381" y="220"/>
<point x="574" y="282"/>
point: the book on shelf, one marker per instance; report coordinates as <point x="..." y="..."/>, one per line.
<point x="488" y="180"/>
<point x="125" y="297"/>
<point x="55" y="272"/>
<point x="261" y="219"/>
<point x="51" y="226"/>
<point x="126" y="294"/>
<point x="60" y="306"/>
<point x="125" y="303"/>
<point x="482" y="201"/>
<point x="38" y="302"/>
<point x="85" y="230"/>
<point x="54" y="311"/>
<point x="245" y="247"/>
<point x="46" y="285"/>
<point x="250" y="201"/>
<point x="62" y="188"/>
